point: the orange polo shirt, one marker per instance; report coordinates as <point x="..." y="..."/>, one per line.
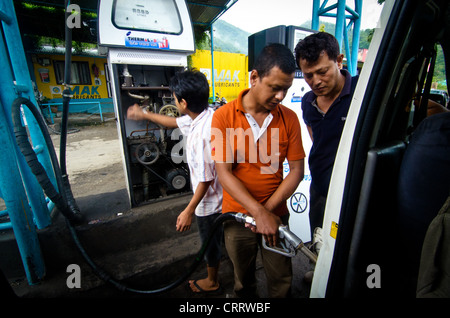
<point x="258" y="165"/>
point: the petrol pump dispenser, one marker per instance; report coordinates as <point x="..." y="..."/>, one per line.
<point x="299" y="203"/>
<point x="147" y="42"/>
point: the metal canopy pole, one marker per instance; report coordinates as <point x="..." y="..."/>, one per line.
<point x="212" y="65"/>
<point x="22" y="88"/>
<point x="341" y="29"/>
<point x="16" y="180"/>
<point x="223" y="10"/>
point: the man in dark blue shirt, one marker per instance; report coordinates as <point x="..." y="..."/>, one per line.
<point x="324" y="109"/>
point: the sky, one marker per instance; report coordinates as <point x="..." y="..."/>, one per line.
<point x="256" y="15"/>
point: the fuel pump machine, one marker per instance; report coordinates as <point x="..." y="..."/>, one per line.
<point x="147" y="42"/>
<point x="298" y="203"/>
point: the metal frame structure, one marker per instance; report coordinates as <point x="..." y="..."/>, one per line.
<point x="24" y="199"/>
<point x="209" y="24"/>
<point x="343" y="12"/>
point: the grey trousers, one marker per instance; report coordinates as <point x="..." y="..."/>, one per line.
<point x="242" y="248"/>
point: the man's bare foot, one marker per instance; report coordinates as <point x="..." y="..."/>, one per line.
<point x="203" y="286"/>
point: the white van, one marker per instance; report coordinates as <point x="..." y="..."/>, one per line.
<point x="392" y="171"/>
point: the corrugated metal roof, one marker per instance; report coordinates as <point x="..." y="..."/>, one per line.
<point x="203" y="12"/>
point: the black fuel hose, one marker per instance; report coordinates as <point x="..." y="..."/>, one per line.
<point x="64" y="196"/>
<point x="65" y="112"/>
<point x="198" y="259"/>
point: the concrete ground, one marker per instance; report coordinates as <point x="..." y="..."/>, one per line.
<point x="138" y="247"/>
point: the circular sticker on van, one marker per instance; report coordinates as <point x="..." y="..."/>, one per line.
<point x="298" y="202"/>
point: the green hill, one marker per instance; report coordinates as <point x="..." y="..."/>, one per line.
<point x="228" y="38"/>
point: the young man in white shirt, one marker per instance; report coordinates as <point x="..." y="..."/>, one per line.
<point x="190" y="90"/>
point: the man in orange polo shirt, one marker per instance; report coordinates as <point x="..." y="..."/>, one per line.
<point x="251" y="137"/>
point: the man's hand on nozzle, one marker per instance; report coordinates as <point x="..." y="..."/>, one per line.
<point x="267" y="224"/>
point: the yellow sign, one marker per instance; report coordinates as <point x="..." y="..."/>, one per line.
<point x="85" y="92"/>
<point x="47" y="84"/>
<point x="230" y="72"/>
<point x="334" y="228"/>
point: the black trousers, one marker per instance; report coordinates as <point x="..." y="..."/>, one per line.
<point x="316" y="209"/>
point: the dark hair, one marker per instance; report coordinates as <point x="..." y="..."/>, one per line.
<point x="192" y="86"/>
<point x="313" y="45"/>
<point x="275" y="54"/>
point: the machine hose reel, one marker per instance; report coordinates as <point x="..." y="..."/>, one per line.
<point x="147" y="153"/>
<point x="170" y="110"/>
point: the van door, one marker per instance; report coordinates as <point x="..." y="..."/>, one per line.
<point x="373" y="235"/>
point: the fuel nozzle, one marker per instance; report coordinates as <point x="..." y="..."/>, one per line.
<point x="243" y="218"/>
<point x="289" y="243"/>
